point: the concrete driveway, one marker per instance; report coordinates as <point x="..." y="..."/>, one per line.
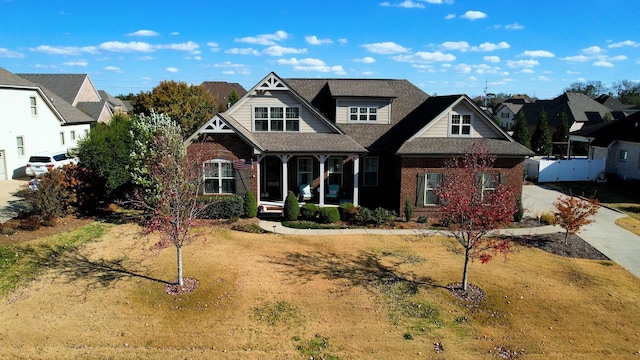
<point x="10" y="206"/>
<point x="616" y="243"/>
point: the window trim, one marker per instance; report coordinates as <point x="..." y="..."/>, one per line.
<point x="364" y="170"/>
<point x="33" y="103"/>
<point x="623" y="155"/>
<point x="371" y="114"/>
<point x="428" y="188"/>
<point x="287" y="124"/>
<point x="62" y="138"/>
<point x="20" y="146"/>
<point x="484" y="177"/>
<point x="220" y="178"/>
<point x="309" y="172"/>
<point x="461" y="125"/>
<point x="331" y="171"/>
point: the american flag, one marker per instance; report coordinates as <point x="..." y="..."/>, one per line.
<point x="242" y="164"/>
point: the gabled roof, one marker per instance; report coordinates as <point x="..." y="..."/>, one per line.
<point x="113" y="101"/>
<point x="578" y="107"/>
<point x="627" y="129"/>
<point x="67" y="86"/>
<point x="458" y="146"/>
<point x="95" y="109"/>
<point x="62" y="109"/>
<point x="513" y="107"/>
<point x="321" y="93"/>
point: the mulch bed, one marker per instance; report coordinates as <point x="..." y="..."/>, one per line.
<point x="554" y="243"/>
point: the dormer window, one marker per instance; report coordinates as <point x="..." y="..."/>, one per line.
<point x="363" y="113"/>
<point x="276" y="118"/>
<point x="460" y="124"/>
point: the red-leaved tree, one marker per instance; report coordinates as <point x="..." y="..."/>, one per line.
<point x="475" y="200"/>
<point x="574" y="213"/>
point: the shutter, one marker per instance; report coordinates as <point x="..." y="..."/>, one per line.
<point x="242" y="181"/>
<point x="421" y="189"/>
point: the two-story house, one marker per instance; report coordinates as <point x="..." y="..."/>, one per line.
<point x="34" y="119"/>
<point x="371" y="139"/>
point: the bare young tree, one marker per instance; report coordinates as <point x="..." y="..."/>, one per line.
<point x="475" y="200"/>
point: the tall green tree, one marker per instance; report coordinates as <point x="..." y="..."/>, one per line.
<point x="189" y="106"/>
<point x="561" y="134"/>
<point x="591" y="88"/>
<point x="541" y="139"/>
<point x="233" y="97"/>
<point x="628" y="92"/>
<point x="106" y="151"/>
<point x="521" y="132"/>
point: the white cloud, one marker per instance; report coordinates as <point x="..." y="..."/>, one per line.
<point x="618" y="58"/>
<point x="537" y="53"/>
<point x="65" y="50"/>
<point x="455" y="45"/>
<point x="146" y="58"/>
<point x="188" y="46"/>
<point x="175" y="33"/>
<point x="462" y="68"/>
<point x="624" y="43"/>
<point x="425" y="57"/>
<point x="232" y="68"/>
<point x="524" y="64"/>
<point x="311" y="64"/>
<point x="527" y="71"/>
<point x="76" y="63"/>
<point x="313" y="40"/>
<point x="365" y="60"/>
<point x="242" y="51"/>
<point x="439" y="2"/>
<point x="572" y="72"/>
<point x="132" y="46"/>
<point x="278" y="50"/>
<point x="473" y="15"/>
<point x="213" y="46"/>
<point x="543" y="78"/>
<point x="486" y="47"/>
<point x="229" y="72"/>
<point x="113" y="69"/>
<point x="407" y="4"/>
<point x="385" y="48"/>
<point x="593" y="50"/>
<point x="143" y="33"/>
<point x="450" y="16"/>
<point x="342" y="41"/>
<point x="491" y="59"/>
<point x="264" y="39"/>
<point x="514" y="26"/>
<point x="172" y="70"/>
<point x="577" y="58"/>
<point x="602" y="63"/>
<point x="6" y="53"/>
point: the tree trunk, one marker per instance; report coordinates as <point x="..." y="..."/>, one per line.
<point x="465" y="272"/>
<point x="179" y="260"/>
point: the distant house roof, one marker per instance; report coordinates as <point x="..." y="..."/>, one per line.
<point x="361" y="88"/>
<point x="627" y="129"/>
<point x="67" y="86"/>
<point x="222" y="89"/>
<point x="115" y="103"/>
<point x="579" y="109"/>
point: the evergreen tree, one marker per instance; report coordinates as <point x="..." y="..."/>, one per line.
<point x="541" y="140"/>
<point x="521" y="132"/>
<point x="561" y="134"/>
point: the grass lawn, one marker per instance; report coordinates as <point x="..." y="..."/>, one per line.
<point x="266" y="296"/>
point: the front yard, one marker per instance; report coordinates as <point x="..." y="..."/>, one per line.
<point x="266" y="296"/>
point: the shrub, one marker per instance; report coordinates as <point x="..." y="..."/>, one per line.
<point x="220" y="207"/>
<point x="382" y="216"/>
<point x="309" y="211"/>
<point x="347" y="211"/>
<point x="329" y="215"/>
<point x="517" y="216"/>
<point x="422" y="219"/>
<point x="364" y="216"/>
<point x="52" y="197"/>
<point x="250" y="205"/>
<point x="548" y="218"/>
<point x="32" y="223"/>
<point x="408" y="209"/>
<point x="291" y="207"/>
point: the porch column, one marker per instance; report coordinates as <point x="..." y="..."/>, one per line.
<point x="322" y="159"/>
<point x="356" y="178"/>
<point x="258" y="190"/>
<point x="285" y="177"/>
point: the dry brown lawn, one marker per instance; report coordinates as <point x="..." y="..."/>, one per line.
<point x="352" y="297"/>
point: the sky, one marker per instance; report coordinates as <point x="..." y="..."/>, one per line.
<point x="444" y="47"/>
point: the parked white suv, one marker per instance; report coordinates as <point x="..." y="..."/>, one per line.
<point x="40" y="163"/>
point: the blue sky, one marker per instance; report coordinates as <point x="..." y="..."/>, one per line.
<point x="442" y="46"/>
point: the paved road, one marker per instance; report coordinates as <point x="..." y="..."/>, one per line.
<point x="616" y="243"/>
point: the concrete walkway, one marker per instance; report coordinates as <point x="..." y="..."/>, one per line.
<point x="617" y="244"/>
<point x="10" y="206"/>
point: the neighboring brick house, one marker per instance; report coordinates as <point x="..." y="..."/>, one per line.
<point x="373" y="138"/>
<point x="78" y="90"/>
<point x="221" y="91"/>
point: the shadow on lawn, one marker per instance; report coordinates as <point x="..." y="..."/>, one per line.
<point x="364" y="269"/>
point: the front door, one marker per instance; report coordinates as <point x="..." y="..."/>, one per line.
<point x="272" y="179"/>
<point x="3" y="166"/>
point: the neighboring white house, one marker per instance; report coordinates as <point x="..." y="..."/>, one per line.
<point x="34" y="119"/>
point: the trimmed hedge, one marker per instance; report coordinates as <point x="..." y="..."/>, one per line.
<point x="329" y="215"/>
<point x="221" y="207"/>
<point x="291" y="207"/>
<point x="250" y="205"/>
<point x="309" y="211"/>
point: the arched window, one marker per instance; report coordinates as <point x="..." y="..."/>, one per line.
<point x="219" y="177"/>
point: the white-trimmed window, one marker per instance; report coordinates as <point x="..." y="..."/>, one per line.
<point x="335" y="171"/>
<point x="370" y="171"/>
<point x="432" y="181"/>
<point x="489" y="182"/>
<point x="34" y="106"/>
<point x="72" y="134"/>
<point x="20" y="145"/>
<point x="305" y="170"/>
<point x="460" y="124"/>
<point x="276" y="118"/>
<point x="62" y="139"/>
<point x="219" y="177"/>
<point x="363" y="113"/>
<point x="623" y="155"/>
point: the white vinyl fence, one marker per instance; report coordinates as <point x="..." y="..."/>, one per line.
<point x="580" y="169"/>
